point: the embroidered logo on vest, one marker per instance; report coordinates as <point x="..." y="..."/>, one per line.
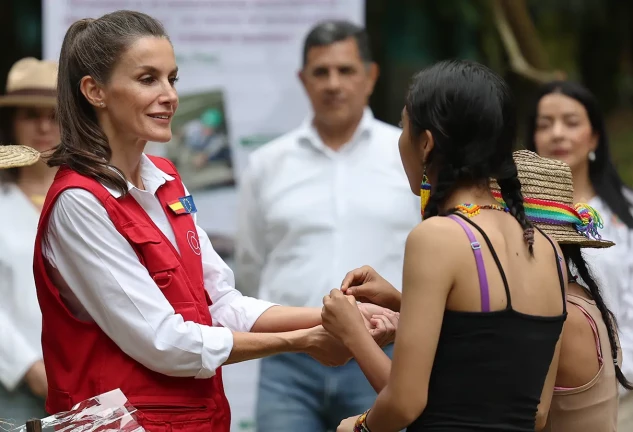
<point x="193" y="242"/>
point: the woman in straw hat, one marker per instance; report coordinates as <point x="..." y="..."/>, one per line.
<point x="132" y="293"/>
<point x="586" y="393"/>
<point x="27" y="117"/>
<point x="478" y="339"/>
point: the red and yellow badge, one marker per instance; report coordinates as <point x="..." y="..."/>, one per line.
<point x="183" y="205"/>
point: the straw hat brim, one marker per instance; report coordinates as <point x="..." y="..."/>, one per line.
<point x="28" y="100"/>
<point x="15" y="156"/>
<point x="567" y="234"/>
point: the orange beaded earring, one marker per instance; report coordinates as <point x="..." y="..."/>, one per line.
<point x="425" y="192"/>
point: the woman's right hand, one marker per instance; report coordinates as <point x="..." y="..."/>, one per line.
<point x="342" y="317"/>
<point x="366" y="285"/>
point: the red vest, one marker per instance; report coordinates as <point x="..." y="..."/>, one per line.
<point x="82" y="362"/>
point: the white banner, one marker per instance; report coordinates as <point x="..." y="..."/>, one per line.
<point x="238" y="62"/>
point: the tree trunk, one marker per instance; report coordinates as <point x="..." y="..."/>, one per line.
<point x="519" y="19"/>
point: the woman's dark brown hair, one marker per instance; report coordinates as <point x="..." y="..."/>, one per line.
<point x="93" y="47"/>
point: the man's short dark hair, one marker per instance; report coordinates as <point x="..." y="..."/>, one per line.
<point x="328" y="32"/>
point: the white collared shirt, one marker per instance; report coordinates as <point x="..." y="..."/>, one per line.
<point x="308" y="214"/>
<point x="613" y="270"/>
<point x="20" y="316"/>
<point x="104" y="273"/>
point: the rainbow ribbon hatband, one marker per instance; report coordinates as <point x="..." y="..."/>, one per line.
<point x="582" y="216"/>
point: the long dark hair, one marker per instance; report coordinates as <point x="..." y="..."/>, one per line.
<point x="93" y="47"/>
<point x="604" y="177"/>
<point x="469" y="111"/>
<point x="573" y="257"/>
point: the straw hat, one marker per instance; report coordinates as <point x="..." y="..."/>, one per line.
<point x="14" y="156"/>
<point x="31" y="82"/>
<point x="547" y="188"/>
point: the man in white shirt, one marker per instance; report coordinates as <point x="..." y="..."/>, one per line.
<point x="327" y="197"/>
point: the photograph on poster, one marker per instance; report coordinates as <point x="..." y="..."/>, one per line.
<point x="200" y="146"/>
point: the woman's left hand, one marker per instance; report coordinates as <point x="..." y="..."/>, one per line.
<point x="341" y="317"/>
<point x="384" y="327"/>
<point x="347" y="425"/>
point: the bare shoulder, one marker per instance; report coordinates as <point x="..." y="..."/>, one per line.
<point x="576" y="321"/>
<point x="578" y="358"/>
<point x="547" y="248"/>
<point x="578" y="300"/>
<point x="550" y="241"/>
<point x="436" y="234"/>
<point x="429" y="259"/>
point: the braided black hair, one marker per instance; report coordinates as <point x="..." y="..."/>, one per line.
<point x="511" y="194"/>
<point x="442" y="188"/>
<point x="574" y="256"/>
<point x="468" y="110"/>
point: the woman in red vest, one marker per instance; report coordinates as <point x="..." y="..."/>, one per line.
<point x="133" y="296"/>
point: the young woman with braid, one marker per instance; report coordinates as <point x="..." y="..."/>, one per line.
<point x="478" y="339"/>
<point x="586" y="392"/>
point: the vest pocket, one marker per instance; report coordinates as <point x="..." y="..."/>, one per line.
<point x="171" y="404"/>
<point x="140" y="233"/>
<point x="167" y="408"/>
<point x="157" y="256"/>
<point x="163" y="265"/>
<point x="176" y="416"/>
<point x="58" y="401"/>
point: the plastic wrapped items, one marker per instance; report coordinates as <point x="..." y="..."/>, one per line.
<point x="107" y="412"/>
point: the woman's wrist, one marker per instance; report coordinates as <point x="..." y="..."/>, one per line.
<point x="361" y="423"/>
<point x="299" y="341"/>
<point x="394" y="301"/>
<point x="315" y="314"/>
<point x="356" y="339"/>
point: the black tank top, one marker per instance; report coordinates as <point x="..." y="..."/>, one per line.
<point x="490" y="366"/>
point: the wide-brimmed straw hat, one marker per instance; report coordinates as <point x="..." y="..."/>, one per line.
<point x="15" y="156"/>
<point x="31" y="82"/>
<point x="548" y="192"/>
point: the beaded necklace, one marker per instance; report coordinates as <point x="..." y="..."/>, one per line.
<point x="471" y="210"/>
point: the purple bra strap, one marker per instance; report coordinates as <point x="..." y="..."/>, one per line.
<point x="479" y="259"/>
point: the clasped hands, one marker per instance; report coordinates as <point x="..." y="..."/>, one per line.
<point x="345" y="321"/>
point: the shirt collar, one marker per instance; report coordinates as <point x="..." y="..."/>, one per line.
<point x="152" y="177"/>
<point x="308" y="132"/>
